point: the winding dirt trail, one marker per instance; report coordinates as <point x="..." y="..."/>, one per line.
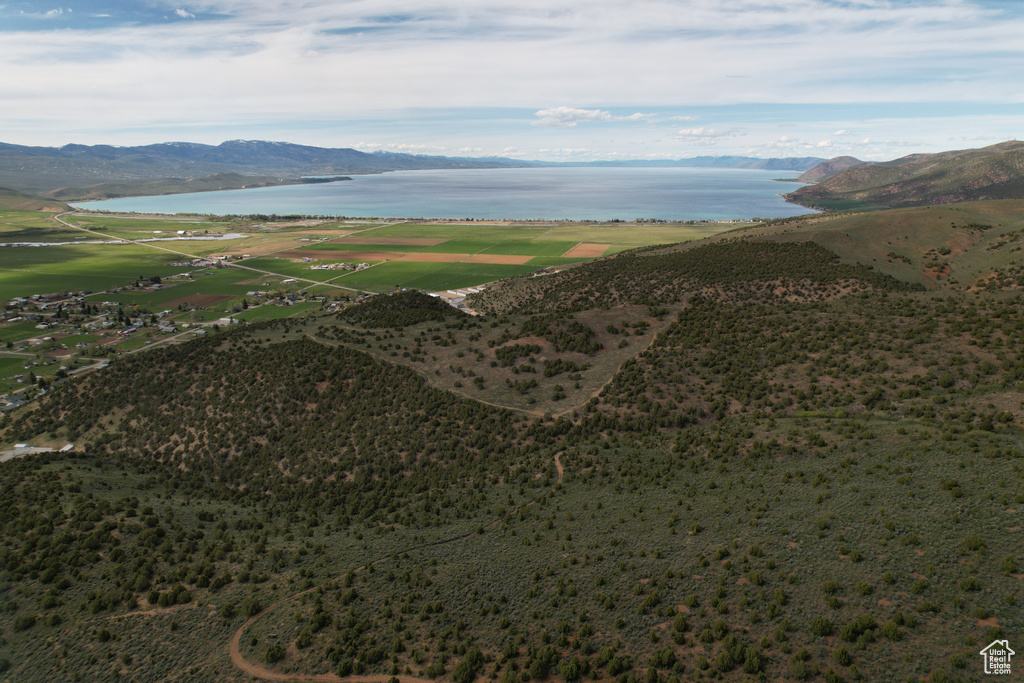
<point x="258" y="670"/>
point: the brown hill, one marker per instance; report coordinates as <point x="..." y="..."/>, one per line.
<point x="994" y="172"/>
<point x="827" y="169"/>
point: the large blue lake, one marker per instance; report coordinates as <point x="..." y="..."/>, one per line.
<point x="577" y="193"/>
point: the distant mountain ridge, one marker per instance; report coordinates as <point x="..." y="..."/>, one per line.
<point x="993" y="172"/>
<point x="45" y="169"/>
<point x="773" y="164"/>
<point x="76" y="170"/>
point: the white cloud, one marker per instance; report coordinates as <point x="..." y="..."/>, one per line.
<point x="401" y="148"/>
<point x="300" y="63"/>
<point x="704" y="135"/>
<point x="566" y="152"/>
<point x="55" y="12"/>
<point x="568" y="117"/>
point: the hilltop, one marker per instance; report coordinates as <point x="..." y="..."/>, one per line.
<point x="994" y="172"/>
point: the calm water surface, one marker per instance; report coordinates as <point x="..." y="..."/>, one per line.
<point x="517" y="193"/>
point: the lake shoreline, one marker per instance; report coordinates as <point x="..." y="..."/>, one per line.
<point x="628" y="195"/>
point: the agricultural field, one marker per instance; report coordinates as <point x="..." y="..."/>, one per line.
<point x="96" y="267"/>
<point x="477" y="253"/>
<point x="34" y="226"/>
<point x="144" y="227"/>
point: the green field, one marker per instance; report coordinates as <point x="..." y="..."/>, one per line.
<point x="9" y="367"/>
<point x="222" y="282"/>
<point x="342" y="245"/>
<point x="73" y="339"/>
<point x="15" y="332"/>
<point x="34" y="226"/>
<point x="429" y="276"/>
<point x="530" y="248"/>
<point x="289" y="268"/>
<point x="461" y="246"/>
<point x="201" y="316"/>
<point x="138" y="227"/>
<point x="470" y="231"/>
<point x="36" y="270"/>
<point x="269" y="312"/>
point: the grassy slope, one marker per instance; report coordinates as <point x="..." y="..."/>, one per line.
<point x="982" y="238"/>
<point x="11" y="200"/>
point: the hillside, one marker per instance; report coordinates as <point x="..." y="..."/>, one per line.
<point x="658" y="276"/>
<point x="827" y="169"/>
<point x="767" y="455"/>
<point x="995" y="172"/>
<point x="10" y="200"/>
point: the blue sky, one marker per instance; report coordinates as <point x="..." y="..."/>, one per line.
<point x="535" y="79"/>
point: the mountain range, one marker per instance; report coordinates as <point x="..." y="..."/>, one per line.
<point x="78" y="171"/>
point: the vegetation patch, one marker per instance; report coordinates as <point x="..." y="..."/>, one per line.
<point x="400" y="309"/>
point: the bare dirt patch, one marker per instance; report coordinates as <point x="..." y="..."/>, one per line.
<point x="200" y="300"/>
<point x="586" y="250"/>
<point x="407" y="241"/>
<point x="504" y="259"/>
<point x="432" y="258"/>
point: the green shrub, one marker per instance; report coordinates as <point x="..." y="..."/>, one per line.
<point x="274" y="654"/>
<point x="852" y="631"/>
<point x="821" y="627"/>
<point x="971" y="583"/>
<point x="24" y="622"/>
<point x="892" y="631"/>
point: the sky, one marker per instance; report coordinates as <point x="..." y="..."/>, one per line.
<point x="558" y="80"/>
